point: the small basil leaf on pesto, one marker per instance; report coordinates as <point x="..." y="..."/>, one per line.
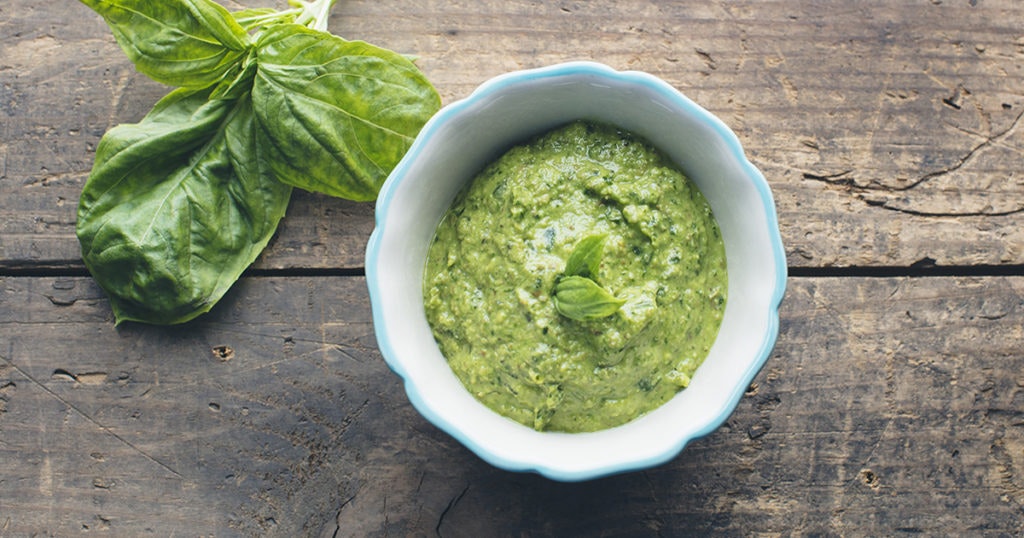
<point x="582" y="299"/>
<point x="586" y="257"/>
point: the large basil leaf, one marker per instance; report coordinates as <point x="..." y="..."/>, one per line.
<point x="177" y="206"/>
<point x="337" y="115"/>
<point x="189" y="43"/>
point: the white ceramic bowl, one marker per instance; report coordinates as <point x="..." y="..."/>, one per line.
<point x="466" y="135"/>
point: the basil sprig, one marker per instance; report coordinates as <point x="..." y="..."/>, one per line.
<point x="582" y="299"/>
<point x="178" y="205"/>
<point x="585" y="258"/>
<point x="577" y="295"/>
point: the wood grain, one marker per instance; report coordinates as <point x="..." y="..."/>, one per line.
<point x="889" y="406"/>
<point x="889" y="132"/>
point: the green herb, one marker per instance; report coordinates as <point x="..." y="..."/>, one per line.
<point x="177" y="207"/>
<point x="179" y="204"/>
<point x="586" y="257"/>
<point x="582" y="299"/>
<point x="189" y="43"/>
<point x="577" y="295"/>
<point x="337" y="115"/>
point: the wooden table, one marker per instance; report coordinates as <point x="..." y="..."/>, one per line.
<point x="891" y="134"/>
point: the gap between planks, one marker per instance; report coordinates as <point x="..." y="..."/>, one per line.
<point x="917" y="270"/>
<point x="921" y="269"/>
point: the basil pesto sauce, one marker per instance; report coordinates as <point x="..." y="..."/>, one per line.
<point x="502" y="248"/>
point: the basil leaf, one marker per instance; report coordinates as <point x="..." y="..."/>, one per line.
<point x="237" y="82"/>
<point x="219" y="22"/>
<point x="337" y="115"/>
<point x="253" y="18"/>
<point x="190" y="43"/>
<point x="177" y="206"/>
<point x="582" y="299"/>
<point x="585" y="258"/>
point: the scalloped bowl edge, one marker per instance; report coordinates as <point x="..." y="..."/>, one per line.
<point x="551" y="454"/>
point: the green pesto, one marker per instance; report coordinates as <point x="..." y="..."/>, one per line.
<point x="502" y="248"/>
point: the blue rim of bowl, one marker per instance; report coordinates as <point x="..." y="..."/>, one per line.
<point x="498" y="84"/>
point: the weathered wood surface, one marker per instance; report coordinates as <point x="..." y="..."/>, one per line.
<point x="889" y="406"/>
<point x="890" y="131"/>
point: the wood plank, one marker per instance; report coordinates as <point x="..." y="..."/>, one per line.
<point x="198" y="429"/>
<point x="890" y="132"/>
<point x="889" y="406"/>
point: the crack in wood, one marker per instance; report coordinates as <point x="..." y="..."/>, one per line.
<point x="846" y="180"/>
<point x="48" y="178"/>
<point x="347" y="350"/>
<point x="884" y="204"/>
<point x="333" y="527"/>
<point x="956" y="100"/>
<point x="838" y="178"/>
<point x="451" y="504"/>
<point x="919" y="269"/>
<point x="988" y="141"/>
<point x="707" y="58"/>
<point x="89" y="418"/>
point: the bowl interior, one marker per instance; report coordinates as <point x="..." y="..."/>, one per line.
<point x="466" y="136"/>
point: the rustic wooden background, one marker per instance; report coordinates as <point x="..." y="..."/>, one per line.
<point x="893" y="403"/>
